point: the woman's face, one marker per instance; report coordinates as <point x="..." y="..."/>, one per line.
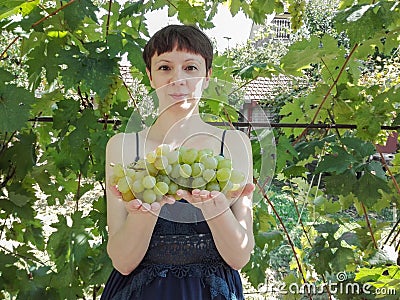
<point x="178" y="76"/>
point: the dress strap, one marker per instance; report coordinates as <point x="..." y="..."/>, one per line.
<point x="137" y="147"/>
<point x="222" y="143"/>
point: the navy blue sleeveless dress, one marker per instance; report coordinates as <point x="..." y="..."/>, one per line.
<point x="181" y="263"/>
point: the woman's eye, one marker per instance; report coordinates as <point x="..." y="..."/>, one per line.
<point x="191" y="68"/>
<point x="163" y="68"/>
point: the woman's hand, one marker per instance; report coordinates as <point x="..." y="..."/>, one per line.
<point x="214" y="203"/>
<point x="138" y="206"/>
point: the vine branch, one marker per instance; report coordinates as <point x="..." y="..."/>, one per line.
<point x="52" y="14"/>
<point x="265" y="196"/>
<point x="108" y="17"/>
<point x="9" y="45"/>
<point x="328" y="93"/>
<point x="22" y="256"/>
<point x="369" y="225"/>
<point x="78" y="192"/>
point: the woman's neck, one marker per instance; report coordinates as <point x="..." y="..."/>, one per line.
<point x="173" y="127"/>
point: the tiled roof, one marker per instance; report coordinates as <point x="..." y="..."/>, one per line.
<point x="263" y="87"/>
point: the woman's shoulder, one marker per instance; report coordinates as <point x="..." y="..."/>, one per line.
<point x="122" y="138"/>
<point x="234" y="136"/>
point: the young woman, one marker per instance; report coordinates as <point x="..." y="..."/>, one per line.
<point x="194" y="247"/>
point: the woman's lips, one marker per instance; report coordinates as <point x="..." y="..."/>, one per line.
<point x="178" y="96"/>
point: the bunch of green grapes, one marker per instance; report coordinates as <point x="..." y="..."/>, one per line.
<point x="106" y="102"/>
<point x="165" y="170"/>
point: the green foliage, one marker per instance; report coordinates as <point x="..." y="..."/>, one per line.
<point x="60" y="60"/>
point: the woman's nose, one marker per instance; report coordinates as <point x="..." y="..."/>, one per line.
<point x="178" y="77"/>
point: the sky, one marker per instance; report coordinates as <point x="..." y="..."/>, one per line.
<point x="228" y="31"/>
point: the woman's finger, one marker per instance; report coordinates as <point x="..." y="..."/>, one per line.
<point x="184" y="194"/>
<point x="114" y="191"/>
<point x="134" y="204"/>
<point x="167" y="199"/>
<point x="246" y="190"/>
<point x="146" y="207"/>
<point x="155" y="206"/>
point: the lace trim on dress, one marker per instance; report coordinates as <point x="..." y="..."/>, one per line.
<point x="181" y="249"/>
<point x="204" y="271"/>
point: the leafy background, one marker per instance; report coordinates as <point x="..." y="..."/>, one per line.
<point x="62" y="97"/>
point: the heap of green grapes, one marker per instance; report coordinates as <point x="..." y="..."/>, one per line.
<point x="165" y="170"/>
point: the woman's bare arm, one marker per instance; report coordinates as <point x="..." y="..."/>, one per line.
<point x="230" y="225"/>
<point x="130" y="224"/>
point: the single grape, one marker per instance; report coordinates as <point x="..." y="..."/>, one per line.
<point x="203" y="152"/>
<point x="149" y="196"/>
<point x="185" y="170"/>
<point x="151" y="169"/>
<point x="209" y="175"/>
<point x="189" y="156"/>
<point x="151" y="157"/>
<point x="163" y="178"/>
<point x="226" y="186"/>
<point x="161" y="188"/>
<point x="223" y="174"/>
<point x="128" y="196"/>
<point x="118" y="170"/>
<point x="123" y="185"/>
<point x="175" y="171"/>
<point x="199" y="183"/>
<point x="172" y="188"/>
<point x="182" y="151"/>
<point x="161" y="162"/>
<point x="163" y="150"/>
<point x="130" y="173"/>
<point x="237" y="177"/>
<point x="197" y="169"/>
<point x="224" y="163"/>
<point x="209" y="162"/>
<point x="149" y="182"/>
<point x="213" y="186"/>
<point x="137" y="186"/>
<point x="166" y="171"/>
<point x="173" y="157"/>
<point x="184" y="183"/>
<point x="113" y="180"/>
<point x="140" y="174"/>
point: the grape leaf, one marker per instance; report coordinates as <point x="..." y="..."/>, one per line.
<point x="341" y="184"/>
<point x="336" y="162"/>
<point x="14" y="7"/>
<point x="367" y="189"/>
<point x="271" y="238"/>
<point x="306" y="52"/>
<point x="342" y="258"/>
<point x="131" y="9"/>
<point x="5" y="76"/>
<point x="14" y="101"/>
<point x="65" y="114"/>
<point x="75" y="13"/>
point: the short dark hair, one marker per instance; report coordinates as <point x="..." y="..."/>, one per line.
<point x="181" y="37"/>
